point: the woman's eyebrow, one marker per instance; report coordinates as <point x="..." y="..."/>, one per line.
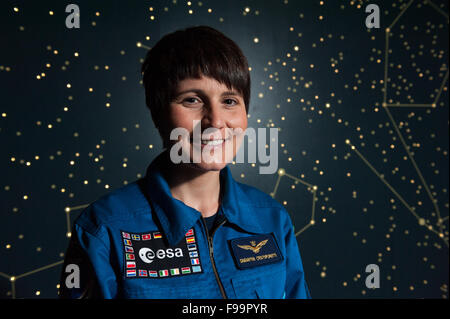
<point x="230" y="93"/>
<point x="190" y="90"/>
<point x="199" y="91"/>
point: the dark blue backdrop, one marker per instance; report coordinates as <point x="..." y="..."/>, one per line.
<point x="380" y="170"/>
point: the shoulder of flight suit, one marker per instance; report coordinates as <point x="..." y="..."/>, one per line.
<point x="262" y="208"/>
<point x="117" y="205"/>
<point x="257" y="198"/>
<point x="90" y="246"/>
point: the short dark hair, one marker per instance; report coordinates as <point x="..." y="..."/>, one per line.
<point x="190" y="53"/>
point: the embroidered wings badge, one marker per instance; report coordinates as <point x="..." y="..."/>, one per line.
<point x="253" y="246"/>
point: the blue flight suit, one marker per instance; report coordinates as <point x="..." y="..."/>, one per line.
<point x="140" y="242"/>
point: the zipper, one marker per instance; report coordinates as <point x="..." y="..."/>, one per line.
<point x="211" y="255"/>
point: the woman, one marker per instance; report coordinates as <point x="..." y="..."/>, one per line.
<point x="187" y="229"/>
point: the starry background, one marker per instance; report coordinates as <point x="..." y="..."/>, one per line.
<point x="362" y="117"/>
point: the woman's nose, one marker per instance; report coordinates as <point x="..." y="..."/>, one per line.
<point x="213" y="117"/>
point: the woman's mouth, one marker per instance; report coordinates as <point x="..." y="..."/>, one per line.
<point x="212" y="142"/>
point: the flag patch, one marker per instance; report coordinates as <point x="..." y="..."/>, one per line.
<point x="157" y="235"/>
<point x="190" y="232"/>
<point x="193" y="254"/>
<point x="196" y="269"/>
<point x="142" y="273"/>
<point x="190" y="240"/>
<point x="192" y="247"/>
<point x="131" y="273"/>
<point x="127" y="242"/>
<point x="129" y="249"/>
<point x="186" y="270"/>
<point x="195" y="261"/>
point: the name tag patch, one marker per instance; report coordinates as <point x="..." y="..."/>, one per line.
<point x="255" y="251"/>
<point x="147" y="256"/>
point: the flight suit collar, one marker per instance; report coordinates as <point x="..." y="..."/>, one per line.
<point x="237" y="207"/>
<point x="176" y="218"/>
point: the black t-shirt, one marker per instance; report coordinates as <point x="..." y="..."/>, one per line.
<point x="210" y="221"/>
<point x="215" y="220"/>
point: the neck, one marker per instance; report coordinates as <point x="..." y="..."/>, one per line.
<point x="194" y="187"/>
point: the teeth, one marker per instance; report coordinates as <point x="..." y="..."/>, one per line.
<point x="213" y="142"/>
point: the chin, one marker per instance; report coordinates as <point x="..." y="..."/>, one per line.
<point x="206" y="167"/>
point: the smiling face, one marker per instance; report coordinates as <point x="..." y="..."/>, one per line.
<point x="217" y="113"/>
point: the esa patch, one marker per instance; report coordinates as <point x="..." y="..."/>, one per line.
<point x="255" y="251"/>
<point x="147" y="256"/>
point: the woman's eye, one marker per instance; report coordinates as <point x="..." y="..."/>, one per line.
<point x="191" y="100"/>
<point x="230" y="102"/>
